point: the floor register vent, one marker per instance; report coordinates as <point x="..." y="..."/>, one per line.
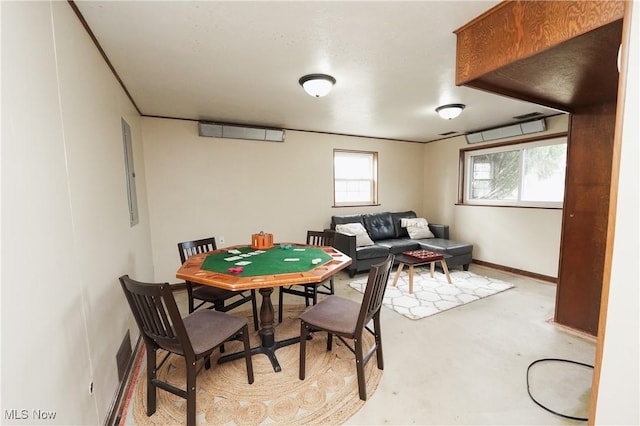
<point x="236" y="131"/>
<point x="507" y="131"/>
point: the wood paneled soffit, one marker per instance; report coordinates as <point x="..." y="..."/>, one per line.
<point x="547" y="52"/>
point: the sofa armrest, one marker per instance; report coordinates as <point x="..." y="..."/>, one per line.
<point x="346" y="243"/>
<point x="440" y="231"/>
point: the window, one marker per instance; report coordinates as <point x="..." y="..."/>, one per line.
<point x="355" y="178"/>
<point x="527" y="174"/>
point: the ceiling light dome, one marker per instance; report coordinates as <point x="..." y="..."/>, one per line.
<point x="450" y="111"/>
<point x="317" y="85"/>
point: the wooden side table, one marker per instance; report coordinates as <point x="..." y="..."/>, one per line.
<point x="414" y="261"/>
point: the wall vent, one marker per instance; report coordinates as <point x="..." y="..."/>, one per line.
<point x="123" y="356"/>
<point x="507" y="131"/>
<point x="528" y="116"/>
<point x="236" y="131"/>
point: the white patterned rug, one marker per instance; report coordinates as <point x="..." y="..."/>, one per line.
<point x="434" y="295"/>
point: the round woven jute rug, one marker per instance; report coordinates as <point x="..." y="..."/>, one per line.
<point x="328" y="395"/>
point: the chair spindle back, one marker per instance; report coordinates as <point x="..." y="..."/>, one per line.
<point x="374" y="292"/>
<point x="321" y="238"/>
<point x="156" y="312"/>
<point x="189" y="248"/>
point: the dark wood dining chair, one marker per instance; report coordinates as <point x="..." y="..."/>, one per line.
<point x="216" y="298"/>
<point x="348" y="319"/>
<point x="194" y="337"/>
<point x="310" y="291"/>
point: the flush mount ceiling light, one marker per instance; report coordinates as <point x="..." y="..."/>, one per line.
<point x="317" y="85"/>
<point x="449" y="111"/>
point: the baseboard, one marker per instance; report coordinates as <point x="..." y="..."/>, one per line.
<point x="179" y="286"/>
<point x="572" y="330"/>
<point x="516" y="271"/>
<point x="115" y="411"/>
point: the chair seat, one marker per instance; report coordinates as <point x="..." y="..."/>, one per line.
<point x="310" y="291"/>
<point x="211" y="297"/>
<point x="205" y="292"/>
<point x="348" y="319"/>
<point x="198" y="326"/>
<point x="193" y="337"/>
<point x="334" y="313"/>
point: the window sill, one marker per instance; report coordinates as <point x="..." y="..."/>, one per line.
<point x="509" y="206"/>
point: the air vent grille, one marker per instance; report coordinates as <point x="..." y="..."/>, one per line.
<point x="528" y="116"/>
<point x="236" y="131"/>
<point x="507" y="131"/>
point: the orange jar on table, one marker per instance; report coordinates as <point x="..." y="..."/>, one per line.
<point x="261" y="241"/>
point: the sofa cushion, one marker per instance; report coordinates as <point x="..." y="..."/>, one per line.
<point x="417" y="227"/>
<point x="362" y="238"/>
<point x="451" y="247"/>
<point x="349" y="218"/>
<point x="371" y="252"/>
<point x="401" y="232"/>
<point x="398" y="245"/>
<point x="379" y="225"/>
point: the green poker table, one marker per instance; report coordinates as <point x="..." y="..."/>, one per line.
<point x="283" y="264"/>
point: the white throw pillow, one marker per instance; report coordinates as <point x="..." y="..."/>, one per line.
<point x="362" y="238"/>
<point x="417" y="227"/>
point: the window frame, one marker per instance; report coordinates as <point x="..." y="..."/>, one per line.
<point x="520" y="144"/>
<point x="373" y="201"/>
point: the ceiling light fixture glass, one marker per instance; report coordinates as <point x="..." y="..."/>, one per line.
<point x="317" y="85"/>
<point x="450" y="111"/>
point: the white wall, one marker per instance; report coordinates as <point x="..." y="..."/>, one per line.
<point x="66" y="237"/>
<point x="500" y="235"/>
<point x="65" y="230"/>
<point x="200" y="186"/>
<point x="619" y="388"/>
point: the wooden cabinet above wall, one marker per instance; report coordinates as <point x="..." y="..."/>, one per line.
<point x="563" y="55"/>
<point x="560" y="54"/>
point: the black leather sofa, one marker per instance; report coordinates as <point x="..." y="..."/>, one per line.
<point x="389" y="237"/>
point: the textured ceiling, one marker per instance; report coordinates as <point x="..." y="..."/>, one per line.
<point x="240" y="62"/>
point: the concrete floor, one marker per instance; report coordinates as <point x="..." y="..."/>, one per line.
<point x="468" y="365"/>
